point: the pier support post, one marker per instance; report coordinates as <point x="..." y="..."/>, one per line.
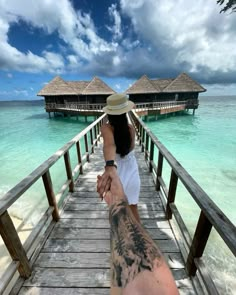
<point x="13" y="244"/>
<point x="69" y="171"/>
<point x="50" y="194"/>
<point x="171" y="194"/>
<point x="199" y="242"/>
<point x="79" y="157"/>
<point x="159" y="170"/>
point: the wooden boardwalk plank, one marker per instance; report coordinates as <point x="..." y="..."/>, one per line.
<point x="92" y="260"/>
<point x="160" y="215"/>
<point x="78" y="277"/>
<point x="104" y="223"/>
<point x="103" y="233"/>
<point x="64" y="291"/>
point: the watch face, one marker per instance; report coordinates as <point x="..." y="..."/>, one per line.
<point x="110" y="163"/>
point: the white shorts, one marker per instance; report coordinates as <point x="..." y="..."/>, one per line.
<point x="127" y="169"/>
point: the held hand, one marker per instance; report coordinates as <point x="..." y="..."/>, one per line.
<point x="115" y="192"/>
<point x="103" y="185"/>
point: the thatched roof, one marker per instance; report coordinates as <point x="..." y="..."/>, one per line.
<point x="97" y="86"/>
<point x="78" y="86"/>
<point x="143" y="85"/>
<point x="58" y="86"/>
<point x="182" y="83"/>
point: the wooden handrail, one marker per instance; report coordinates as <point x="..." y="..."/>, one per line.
<point x="7" y="229"/>
<point x="211" y="215"/>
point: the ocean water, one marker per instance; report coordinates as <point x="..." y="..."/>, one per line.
<point x="205" y="145"/>
<point x="28" y="138"/>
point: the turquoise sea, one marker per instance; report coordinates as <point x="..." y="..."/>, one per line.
<point x="205" y="144"/>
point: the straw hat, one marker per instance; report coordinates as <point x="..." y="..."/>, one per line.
<point x="118" y="104"/>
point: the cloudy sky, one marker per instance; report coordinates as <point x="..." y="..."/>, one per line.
<point x="117" y="40"/>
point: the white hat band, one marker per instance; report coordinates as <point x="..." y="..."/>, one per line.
<point x="118" y="107"/>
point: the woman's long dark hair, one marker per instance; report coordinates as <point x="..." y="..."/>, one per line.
<point x="122" y="134"/>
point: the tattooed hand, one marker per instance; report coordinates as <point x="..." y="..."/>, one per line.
<point x="109" y="187"/>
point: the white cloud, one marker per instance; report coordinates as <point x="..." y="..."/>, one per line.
<point x="74" y="28"/>
<point x="191" y="31"/>
<point x="117" y="86"/>
<point x="153" y="37"/>
<point x="116" y="29"/>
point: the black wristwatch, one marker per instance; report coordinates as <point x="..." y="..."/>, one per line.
<point x="111" y="163"/>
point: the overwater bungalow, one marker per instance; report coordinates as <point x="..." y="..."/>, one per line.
<point x="61" y="92"/>
<point x="180" y="89"/>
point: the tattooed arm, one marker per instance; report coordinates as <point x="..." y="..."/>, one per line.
<point x="137" y="266"/>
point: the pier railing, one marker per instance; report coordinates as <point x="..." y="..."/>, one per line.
<point x="23" y="256"/>
<point x="159" y="105"/>
<point x="138" y="106"/>
<point x="74" y="106"/>
<point x="210" y="215"/>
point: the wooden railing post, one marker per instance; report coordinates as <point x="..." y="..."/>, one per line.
<point x="146" y="145"/>
<point x="50" y="194"/>
<point x="13" y="244"/>
<point x="91" y="140"/>
<point x="79" y="157"/>
<point x="95" y="135"/>
<point x="69" y="171"/>
<point x="151" y="155"/>
<point x="86" y="146"/>
<point x="140" y="134"/>
<point x="200" y="238"/>
<point x="171" y="193"/>
<point x="159" y="170"/>
<point x="142" y="142"/>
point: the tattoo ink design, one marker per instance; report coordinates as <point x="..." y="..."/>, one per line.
<point x="132" y="249"/>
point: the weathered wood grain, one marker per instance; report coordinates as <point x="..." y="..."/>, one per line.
<point x="92" y="260"/>
<point x="91" y="200"/>
<point x="104" y="223"/>
<point x="101" y="233"/>
<point x="77" y="246"/>
<point x="152" y="195"/>
<point x="64" y="291"/>
<point x="57" y="277"/>
<point x="144" y="214"/>
<point x="92" y="188"/>
<point x="102" y="206"/>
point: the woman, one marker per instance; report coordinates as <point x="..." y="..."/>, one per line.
<point x="118" y="148"/>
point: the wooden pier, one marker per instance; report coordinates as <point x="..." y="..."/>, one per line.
<point x="69" y="250"/>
